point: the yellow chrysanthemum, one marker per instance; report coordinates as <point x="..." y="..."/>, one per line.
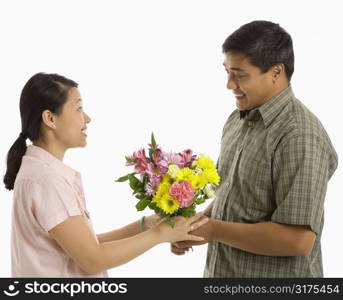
<point x="211" y="176"/>
<point x="185" y="174"/>
<point x="198" y="181"/>
<point x="163" y="189"/>
<point x="205" y="163"/>
<point x="166" y="179"/>
<point x="167" y="204"/>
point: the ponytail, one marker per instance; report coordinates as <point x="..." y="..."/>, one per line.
<point x="14" y="157"/>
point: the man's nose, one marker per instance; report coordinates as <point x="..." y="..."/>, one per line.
<point x="231" y="83"/>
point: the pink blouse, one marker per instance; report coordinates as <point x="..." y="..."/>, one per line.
<point x="46" y="193"/>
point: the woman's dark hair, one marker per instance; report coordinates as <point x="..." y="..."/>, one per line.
<point x="42" y="92"/>
<point x="265" y="43"/>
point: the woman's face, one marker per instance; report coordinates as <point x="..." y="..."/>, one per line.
<point x="71" y="124"/>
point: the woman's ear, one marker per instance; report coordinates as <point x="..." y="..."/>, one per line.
<point x="48" y="119"/>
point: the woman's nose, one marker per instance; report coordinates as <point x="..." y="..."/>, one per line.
<point x="87" y="118"/>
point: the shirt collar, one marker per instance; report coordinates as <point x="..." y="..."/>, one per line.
<point x="39" y="153"/>
<point x="270" y="110"/>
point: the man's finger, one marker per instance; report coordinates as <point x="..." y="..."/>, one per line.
<point x="196" y="217"/>
<point x="176" y="250"/>
<point x="182" y="245"/>
<point x="195" y="238"/>
<point x="199" y="223"/>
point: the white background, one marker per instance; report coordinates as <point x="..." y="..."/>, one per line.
<point x="148" y="66"/>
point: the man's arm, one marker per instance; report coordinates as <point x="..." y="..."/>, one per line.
<point x="265" y="238"/>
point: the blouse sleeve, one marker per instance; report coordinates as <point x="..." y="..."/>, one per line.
<point x="54" y="201"/>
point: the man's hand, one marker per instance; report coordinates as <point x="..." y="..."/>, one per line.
<point x="205" y="231"/>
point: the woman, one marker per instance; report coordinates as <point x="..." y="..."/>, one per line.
<point x="52" y="234"/>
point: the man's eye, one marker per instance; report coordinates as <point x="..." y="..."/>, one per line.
<point x="240" y="76"/>
<point x="235" y="75"/>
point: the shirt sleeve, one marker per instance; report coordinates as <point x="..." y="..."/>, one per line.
<point x="54" y="201"/>
<point x="300" y="176"/>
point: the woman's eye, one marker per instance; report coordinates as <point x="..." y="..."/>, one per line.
<point x="80" y="108"/>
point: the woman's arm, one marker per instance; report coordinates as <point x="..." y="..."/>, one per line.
<point x="76" y="239"/>
<point x="128" y="230"/>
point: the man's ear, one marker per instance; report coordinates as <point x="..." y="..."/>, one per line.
<point x="48" y="119"/>
<point x="277" y="71"/>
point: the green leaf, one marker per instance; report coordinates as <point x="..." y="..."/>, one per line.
<point x="145" y="180"/>
<point x="151" y="152"/>
<point x="152" y="205"/>
<point x="139" y="188"/>
<point x="153" y="141"/>
<point x="133" y="181"/>
<point x="122" y="179"/>
<point x="188" y="211"/>
<point x="170" y="221"/>
<point x="142" y="204"/>
<point x="140" y="196"/>
<point x="199" y="200"/>
<point x="130" y="160"/>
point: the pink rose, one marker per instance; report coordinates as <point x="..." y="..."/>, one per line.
<point x="183" y="192"/>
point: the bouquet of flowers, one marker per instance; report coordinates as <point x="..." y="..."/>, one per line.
<point x="171" y="183"/>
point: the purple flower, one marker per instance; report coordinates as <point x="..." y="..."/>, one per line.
<point x="156" y="170"/>
<point x="151" y="189"/>
<point x="155" y="176"/>
<point x="171" y="158"/>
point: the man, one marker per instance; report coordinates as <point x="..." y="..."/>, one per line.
<point x="275" y="161"/>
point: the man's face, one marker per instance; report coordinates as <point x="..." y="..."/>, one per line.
<point x="250" y="87"/>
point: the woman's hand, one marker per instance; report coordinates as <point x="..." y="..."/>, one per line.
<point x="151" y="221"/>
<point x="181" y="230"/>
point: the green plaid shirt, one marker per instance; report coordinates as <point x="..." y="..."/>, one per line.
<point x="274" y="164"/>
